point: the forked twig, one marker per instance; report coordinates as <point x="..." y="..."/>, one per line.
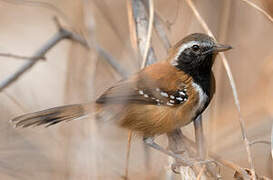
<point x="232" y="83"/>
<point x="55" y="39"/>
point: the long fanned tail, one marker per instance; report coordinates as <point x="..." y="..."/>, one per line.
<point x="52" y="116"/>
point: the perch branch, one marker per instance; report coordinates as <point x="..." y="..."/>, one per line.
<point x="232" y="83"/>
<point x="217" y="158"/>
<point x="55" y="39"/>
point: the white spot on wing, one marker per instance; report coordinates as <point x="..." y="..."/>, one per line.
<point x="140" y="92"/>
<point x="164" y="94"/>
<point x="172" y="101"/>
<point x="179" y="98"/>
<point x="182" y="93"/>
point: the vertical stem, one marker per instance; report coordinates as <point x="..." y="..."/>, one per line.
<point x="128" y="154"/>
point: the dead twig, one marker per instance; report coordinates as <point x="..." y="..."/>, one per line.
<point x="149" y="34"/>
<point x="128" y="155"/>
<point x="260" y="142"/>
<point x="159" y="28"/>
<point x="219" y="159"/>
<point x="41" y="52"/>
<point x="255" y="6"/>
<point x="141" y="23"/>
<point x="9" y="55"/>
<point x="272" y="142"/>
<point x="232" y="83"/>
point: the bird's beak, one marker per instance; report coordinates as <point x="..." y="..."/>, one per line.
<point x="221" y="47"/>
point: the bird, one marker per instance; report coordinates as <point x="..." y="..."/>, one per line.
<point x="158" y="99"/>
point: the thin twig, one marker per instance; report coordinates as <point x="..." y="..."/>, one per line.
<point x="259" y="9"/>
<point x="55" y="39"/>
<point x="128" y="154"/>
<point x="272" y="141"/>
<point x="111" y="60"/>
<point x="260" y="142"/>
<point x="149" y="34"/>
<point x="141" y="22"/>
<point x="159" y="28"/>
<point x="232" y="83"/>
<point x="132" y="25"/>
<point x="15" y="56"/>
<point x="200" y="173"/>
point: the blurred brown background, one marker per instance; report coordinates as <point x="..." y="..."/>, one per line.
<point x="71" y="74"/>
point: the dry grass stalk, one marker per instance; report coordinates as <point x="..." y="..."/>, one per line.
<point x="272" y="142"/>
<point x="130" y="134"/>
<point x="60" y="35"/>
<point x="201" y="173"/>
<point x="149" y="34"/>
<point x="259" y="9"/>
<point x="232" y="83"/>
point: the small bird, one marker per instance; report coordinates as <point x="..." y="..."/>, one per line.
<point x="158" y="99"/>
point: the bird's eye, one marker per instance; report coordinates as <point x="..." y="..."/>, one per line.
<point x="195" y="47"/>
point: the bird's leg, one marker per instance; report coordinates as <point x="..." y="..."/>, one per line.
<point x="199" y="137"/>
<point x="150" y="142"/>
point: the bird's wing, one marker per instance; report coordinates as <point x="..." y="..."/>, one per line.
<point x="158" y="84"/>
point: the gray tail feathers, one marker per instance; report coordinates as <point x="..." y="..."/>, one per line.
<point x="52" y="116"/>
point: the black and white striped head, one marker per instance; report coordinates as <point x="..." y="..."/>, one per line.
<point x="195" y="52"/>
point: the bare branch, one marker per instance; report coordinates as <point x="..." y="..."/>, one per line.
<point x="41" y="52"/>
<point x="9" y="55"/>
<point x="232" y="83"/>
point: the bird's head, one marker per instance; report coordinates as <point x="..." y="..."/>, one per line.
<point x="196" y="52"/>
